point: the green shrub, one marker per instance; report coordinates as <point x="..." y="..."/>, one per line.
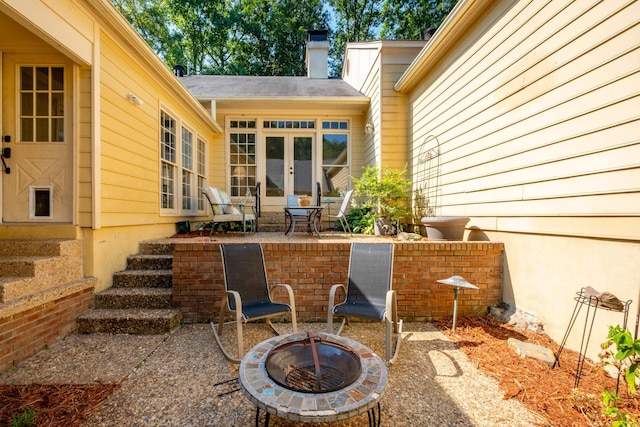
<point x="388" y="193"/>
<point x="626" y="357"/>
<point x="360" y="220"/>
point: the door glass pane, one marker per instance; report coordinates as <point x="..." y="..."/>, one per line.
<point x="26" y="104"/>
<point x="275" y="166"/>
<point x="26" y="129"/>
<point x="26" y="78"/>
<point x="57" y="78"/>
<point x="302" y="151"/>
<point x="42" y="104"/>
<point x="42" y="78"/>
<point x="42" y="130"/>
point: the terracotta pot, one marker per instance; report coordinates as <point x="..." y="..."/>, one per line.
<point x="304" y="200"/>
<point x="443" y="228"/>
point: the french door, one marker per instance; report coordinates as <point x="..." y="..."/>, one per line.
<point x="289" y="166"/>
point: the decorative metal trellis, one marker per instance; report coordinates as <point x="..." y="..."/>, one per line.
<point x="427" y="177"/>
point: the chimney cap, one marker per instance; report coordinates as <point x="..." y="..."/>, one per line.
<point x="317" y="35"/>
<point x="178" y="70"/>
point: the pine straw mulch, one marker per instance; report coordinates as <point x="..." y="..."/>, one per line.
<point x="548" y="392"/>
<point x="53" y="405"/>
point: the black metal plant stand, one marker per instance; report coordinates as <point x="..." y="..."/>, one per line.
<point x="590" y="301"/>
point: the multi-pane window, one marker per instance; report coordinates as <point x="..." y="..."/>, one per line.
<point x="41" y="104"/>
<point x="168" y="164"/>
<point x="335" y="158"/>
<point x="202" y="173"/>
<point x="242" y="151"/>
<point x="187" y="170"/>
<point x="182" y="168"/>
<point x="336" y="124"/>
<point x="335" y="164"/>
<point x="289" y="124"/>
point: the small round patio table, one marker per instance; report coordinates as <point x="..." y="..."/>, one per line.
<point x="363" y="395"/>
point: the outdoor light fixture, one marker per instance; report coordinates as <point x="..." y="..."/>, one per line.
<point x="368" y="128"/>
<point x="457" y="282"/>
<point x="134" y="99"/>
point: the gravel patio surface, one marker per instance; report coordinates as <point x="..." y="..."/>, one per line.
<point x="173" y="380"/>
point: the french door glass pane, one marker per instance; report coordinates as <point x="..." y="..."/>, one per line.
<point x="275" y="166"/>
<point x="302" y="164"/>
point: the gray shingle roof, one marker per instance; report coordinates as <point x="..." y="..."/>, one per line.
<point x="246" y="87"/>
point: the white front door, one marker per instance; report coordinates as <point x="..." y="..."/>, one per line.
<point x="36" y="127"/>
<point x="289" y="167"/>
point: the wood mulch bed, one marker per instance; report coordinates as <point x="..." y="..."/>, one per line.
<point x="548" y="392"/>
<point x="53" y="405"/>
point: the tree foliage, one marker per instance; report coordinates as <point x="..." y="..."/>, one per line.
<point x="267" y="37"/>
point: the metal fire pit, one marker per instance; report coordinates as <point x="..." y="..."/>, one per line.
<point x="279" y="376"/>
<point x="313" y="365"/>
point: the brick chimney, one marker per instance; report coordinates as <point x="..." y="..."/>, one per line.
<point x="317" y="57"/>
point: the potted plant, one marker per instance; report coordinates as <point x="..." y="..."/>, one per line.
<point x="387" y="194"/>
<point x="428" y="193"/>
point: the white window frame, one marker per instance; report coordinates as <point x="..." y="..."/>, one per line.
<point x="196" y="170"/>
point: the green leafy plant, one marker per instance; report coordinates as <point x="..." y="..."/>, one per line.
<point x="26" y="419"/>
<point x="360" y="220"/>
<point x="626" y="358"/>
<point x="388" y="193"/>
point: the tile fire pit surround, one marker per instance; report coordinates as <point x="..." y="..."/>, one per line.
<point x="357" y="398"/>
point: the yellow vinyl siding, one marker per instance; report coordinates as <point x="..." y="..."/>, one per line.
<point x="84" y="148"/>
<point x="63" y="21"/>
<point x="540" y="125"/>
<point x="130" y="138"/>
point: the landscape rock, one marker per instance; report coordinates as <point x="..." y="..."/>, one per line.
<point x="534" y="351"/>
<point x="518" y="318"/>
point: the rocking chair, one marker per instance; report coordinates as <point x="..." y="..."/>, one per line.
<point x="247" y="293"/>
<point x="368" y="293"/>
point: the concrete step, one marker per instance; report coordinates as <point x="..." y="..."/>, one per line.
<point x="24" y="275"/>
<point x="43" y="247"/>
<point x="155" y="248"/>
<point x="119" y="298"/>
<point x="143" y="279"/>
<point x="129" y="321"/>
<point x="149" y="262"/>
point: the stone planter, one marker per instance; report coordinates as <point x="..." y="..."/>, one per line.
<point x="440" y="228"/>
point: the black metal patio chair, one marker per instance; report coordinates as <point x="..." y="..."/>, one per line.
<point x="369" y="293"/>
<point x="247" y="293"/>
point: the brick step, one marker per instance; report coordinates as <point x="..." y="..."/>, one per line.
<point x="149" y="262"/>
<point x="121" y="298"/>
<point x="143" y="279"/>
<point x="129" y="321"/>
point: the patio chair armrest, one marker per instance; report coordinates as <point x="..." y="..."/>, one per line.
<point x="332" y="296"/>
<point x="292" y="302"/>
<point x="332" y="305"/>
<point x="289" y="292"/>
<point x="238" y="302"/>
<point x="391" y="306"/>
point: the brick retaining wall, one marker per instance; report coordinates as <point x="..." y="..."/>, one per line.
<point x="26" y="332"/>
<point x="312" y="268"/>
